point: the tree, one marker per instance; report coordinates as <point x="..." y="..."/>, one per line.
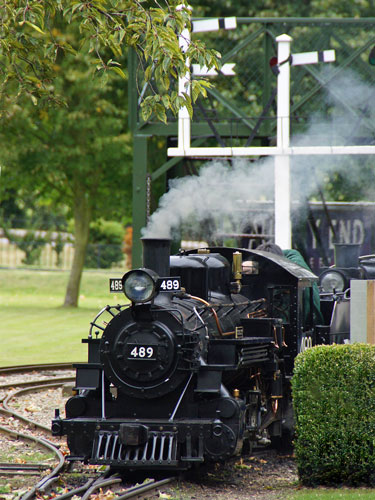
<point x="30" y="44"/>
<point x="76" y="155"/>
<point x="64" y="147"/>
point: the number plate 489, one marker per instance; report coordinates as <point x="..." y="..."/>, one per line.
<point x="142" y="352"/>
<point x="169" y="284"/>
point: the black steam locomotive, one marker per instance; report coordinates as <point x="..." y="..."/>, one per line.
<point x="198" y="365"/>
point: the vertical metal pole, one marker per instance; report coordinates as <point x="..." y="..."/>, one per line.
<point x="184" y="87"/>
<point x="267" y="48"/>
<point x="139" y="163"/>
<point x="283" y="225"/>
<point x="148" y="197"/>
<point x="139" y="196"/>
<point x="103" y="397"/>
<point x="132" y="90"/>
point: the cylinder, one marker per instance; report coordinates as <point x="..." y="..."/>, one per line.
<point x="237" y="265"/>
<point x="156" y="252"/>
<point x="346" y="255"/>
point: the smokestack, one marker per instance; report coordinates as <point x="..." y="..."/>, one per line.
<point x="346" y="255"/>
<point x="156" y="253"/>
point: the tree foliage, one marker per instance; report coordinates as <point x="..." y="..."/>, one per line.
<point x="30" y="45"/>
<point x="76" y="156"/>
<point x="274" y="8"/>
<point x="105" y="247"/>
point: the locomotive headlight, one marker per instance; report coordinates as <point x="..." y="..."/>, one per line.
<point x="332" y="281"/>
<point x="139" y="285"/>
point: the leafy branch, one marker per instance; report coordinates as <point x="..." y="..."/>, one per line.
<point x="30" y="42"/>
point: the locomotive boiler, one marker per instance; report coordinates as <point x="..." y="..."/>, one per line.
<point x="197" y="365"/>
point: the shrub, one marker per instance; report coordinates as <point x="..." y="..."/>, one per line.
<point x="104" y="249"/>
<point x="334" y="403"/>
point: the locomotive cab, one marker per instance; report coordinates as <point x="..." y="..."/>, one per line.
<point x="335" y="287"/>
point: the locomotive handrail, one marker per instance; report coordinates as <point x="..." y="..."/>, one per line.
<point x="171" y="418"/>
<point x="212" y="304"/>
<point x="108" y="309"/>
<point x="362" y="257"/>
<point x="200" y="319"/>
<point x="207" y="304"/>
<point x="345" y="294"/>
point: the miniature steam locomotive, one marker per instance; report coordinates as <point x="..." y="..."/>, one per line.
<point x="198" y="365"/>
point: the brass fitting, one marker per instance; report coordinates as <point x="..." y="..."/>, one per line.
<point x="237" y="266"/>
<point x="236" y="393"/>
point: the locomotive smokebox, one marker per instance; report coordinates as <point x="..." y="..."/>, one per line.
<point x="156" y="252"/>
<point x="346" y="255"/>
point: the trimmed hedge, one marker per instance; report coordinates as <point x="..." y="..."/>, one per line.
<point x="334" y="404"/>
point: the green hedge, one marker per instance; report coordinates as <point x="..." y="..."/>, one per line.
<point x="334" y="403"/>
<point x="105" y="246"/>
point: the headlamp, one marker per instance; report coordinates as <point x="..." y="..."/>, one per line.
<point x="332" y="281"/>
<point x="139" y="285"/>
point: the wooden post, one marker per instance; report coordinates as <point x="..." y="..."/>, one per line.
<point x="362" y="311"/>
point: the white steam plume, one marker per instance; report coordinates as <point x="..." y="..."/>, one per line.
<point x="219" y="190"/>
<point x="222" y="188"/>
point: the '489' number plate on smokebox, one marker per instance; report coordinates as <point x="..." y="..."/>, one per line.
<point x="141" y="352"/>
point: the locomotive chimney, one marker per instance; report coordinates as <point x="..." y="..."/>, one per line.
<point x="156" y="253"/>
<point x="346" y="255"/>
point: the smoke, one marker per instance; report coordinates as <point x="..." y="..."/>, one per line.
<point x="347" y="118"/>
<point x="220" y="198"/>
<point x="209" y="199"/>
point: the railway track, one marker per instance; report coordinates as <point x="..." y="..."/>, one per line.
<point x="38" y="367"/>
<point x="11" y="391"/>
<point x="84" y="492"/>
<point x="43" y="477"/>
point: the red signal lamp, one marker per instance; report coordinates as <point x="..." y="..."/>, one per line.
<point x="274" y="65"/>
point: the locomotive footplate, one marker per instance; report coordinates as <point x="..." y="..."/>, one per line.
<point x="161" y="443"/>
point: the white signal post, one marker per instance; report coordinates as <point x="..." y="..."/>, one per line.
<point x="283" y="224"/>
<point x="282" y="189"/>
<point x="184" y="87"/>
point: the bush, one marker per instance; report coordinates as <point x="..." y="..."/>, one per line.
<point x="104" y="249"/>
<point x="334" y="403"/>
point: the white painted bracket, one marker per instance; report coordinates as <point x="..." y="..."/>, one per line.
<point x="226" y="69"/>
<point x="202" y="25"/>
<point x="316" y="57"/>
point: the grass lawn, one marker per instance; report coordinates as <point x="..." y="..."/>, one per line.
<point x="34" y="327"/>
<point x="333" y="494"/>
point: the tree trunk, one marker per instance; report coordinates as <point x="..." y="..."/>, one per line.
<point x="82" y="218"/>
